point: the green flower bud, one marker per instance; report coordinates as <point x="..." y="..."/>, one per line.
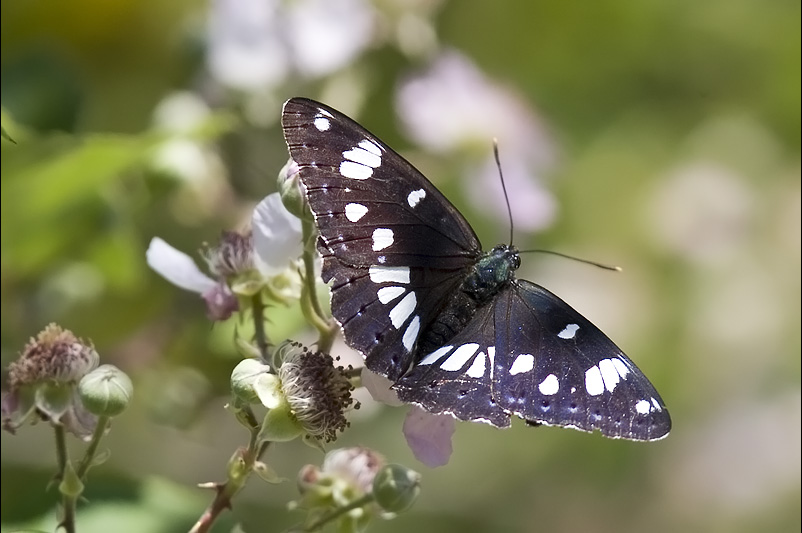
<point x="396" y="488"/>
<point x="292" y="194"/>
<point x="106" y="391"/>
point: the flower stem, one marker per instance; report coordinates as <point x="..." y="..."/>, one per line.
<point x="102" y="423"/>
<point x="310" y="305"/>
<point x="260" y="335"/>
<point x="68" y="503"/>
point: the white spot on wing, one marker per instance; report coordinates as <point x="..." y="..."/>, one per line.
<point x="400" y="313"/>
<point x="363" y="157"/>
<point x="609" y="374"/>
<point x="324" y="112"/>
<point x="594" y="383"/>
<point x="460" y="356"/>
<point x="477" y="368"/>
<point x="355" y="171"/>
<point x="549" y="386"/>
<point x="643" y="407"/>
<point x="569" y="332"/>
<point x="415" y="197"/>
<point x="388" y="294"/>
<point x="382" y="274"/>
<point x="370" y="146"/>
<point x="435" y="355"/>
<point x="411" y="334"/>
<point x="656" y="404"/>
<point x="523" y="363"/>
<point x="354" y="212"/>
<point x="322" y="123"/>
<point x="382" y="238"/>
<point x="621" y="367"/>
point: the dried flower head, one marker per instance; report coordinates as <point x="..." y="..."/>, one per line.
<point x="55" y="355"/>
<point x="43" y="382"/>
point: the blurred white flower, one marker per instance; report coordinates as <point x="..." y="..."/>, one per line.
<point x="429" y="436"/>
<point x="246" y="48"/>
<point x="254" y="43"/>
<point x="453" y="107"/>
<point x="180" y="115"/>
<point x="325" y="35"/>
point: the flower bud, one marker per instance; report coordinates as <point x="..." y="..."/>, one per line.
<point x="106" y="391"/>
<point x="291" y="191"/>
<point x="396" y="488"/>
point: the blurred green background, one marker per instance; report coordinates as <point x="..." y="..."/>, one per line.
<point x="660" y="136"/>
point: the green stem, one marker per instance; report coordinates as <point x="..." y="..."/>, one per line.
<point x="310" y="304"/>
<point x="336" y="513"/>
<point x="100" y="429"/>
<point x="68" y="503"/>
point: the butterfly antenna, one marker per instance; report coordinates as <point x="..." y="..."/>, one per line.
<point x="586" y="261"/>
<point x="503" y="185"/>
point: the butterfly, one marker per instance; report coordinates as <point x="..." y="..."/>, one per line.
<point x="450" y="325"/>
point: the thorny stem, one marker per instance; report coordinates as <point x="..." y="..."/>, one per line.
<point x="238" y="474"/>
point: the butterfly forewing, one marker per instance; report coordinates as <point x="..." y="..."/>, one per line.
<point x="394" y="247"/>
<point x="370" y="204"/>
<point x="554" y="367"/>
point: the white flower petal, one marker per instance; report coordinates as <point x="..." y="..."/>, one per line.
<point x="379" y="388"/>
<point x="429" y="436"/>
<point x="276" y="235"/>
<point x="177" y="267"/>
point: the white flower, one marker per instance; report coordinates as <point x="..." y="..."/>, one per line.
<point x="453" y="107"/>
<point x="276" y="236"/>
<point x="276" y="242"/>
<point x="179" y="269"/>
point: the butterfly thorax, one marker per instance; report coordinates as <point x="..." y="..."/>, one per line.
<point x="491" y="272"/>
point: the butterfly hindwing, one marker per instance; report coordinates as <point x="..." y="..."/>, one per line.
<point x="555" y="367"/>
<point x="457" y="378"/>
